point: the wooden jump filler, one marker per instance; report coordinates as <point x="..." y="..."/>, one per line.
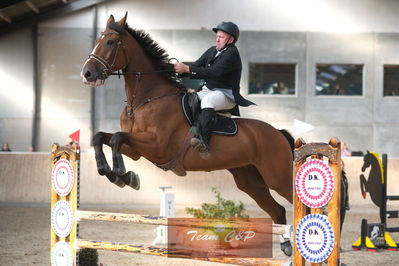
<point x="317" y="189"/>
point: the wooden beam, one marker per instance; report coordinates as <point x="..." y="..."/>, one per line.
<point x="277" y="229"/>
<point x="5" y="17"/>
<point x="56" y="10"/>
<point x="334" y="205"/>
<point x="8" y="3"/>
<point x="32" y="6"/>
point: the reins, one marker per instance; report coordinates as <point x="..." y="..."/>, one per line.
<point x="138" y="75"/>
<point x="119" y="74"/>
<point x="148" y="100"/>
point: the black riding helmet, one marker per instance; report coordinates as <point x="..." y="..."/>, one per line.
<point x="228" y="27"/>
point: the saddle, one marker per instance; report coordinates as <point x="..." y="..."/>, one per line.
<point x="191" y="108"/>
<point x="225" y="125"/>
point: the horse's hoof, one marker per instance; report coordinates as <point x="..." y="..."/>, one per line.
<point x="103" y="170"/>
<point x="119" y="182"/>
<point x="132" y="180"/>
<point x="286" y="248"/>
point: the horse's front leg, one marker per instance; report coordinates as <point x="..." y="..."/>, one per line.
<point x="99" y="139"/>
<point x="129" y="178"/>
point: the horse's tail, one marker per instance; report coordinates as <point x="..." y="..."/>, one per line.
<point x="289" y="138"/>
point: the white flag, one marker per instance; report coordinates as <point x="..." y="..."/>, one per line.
<point x="302" y="127"/>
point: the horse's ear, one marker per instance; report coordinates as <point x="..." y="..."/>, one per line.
<point x="111" y="20"/>
<point x="122" y="22"/>
<point x="368" y="152"/>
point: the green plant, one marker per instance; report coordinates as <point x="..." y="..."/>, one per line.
<point x="222" y="209"/>
<point x="88" y="257"/>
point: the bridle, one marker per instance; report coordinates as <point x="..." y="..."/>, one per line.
<point x="108" y="71"/>
<point x="107" y="67"/>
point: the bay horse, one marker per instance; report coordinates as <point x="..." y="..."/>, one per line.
<point x="153" y="125"/>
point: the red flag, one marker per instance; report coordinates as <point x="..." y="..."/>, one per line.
<point x="75" y="136"/>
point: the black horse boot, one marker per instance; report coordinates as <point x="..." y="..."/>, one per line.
<point x="200" y="142"/>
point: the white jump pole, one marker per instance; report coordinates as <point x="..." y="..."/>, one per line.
<point x="167" y="209"/>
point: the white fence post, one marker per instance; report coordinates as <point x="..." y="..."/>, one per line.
<point x="167" y="209"/>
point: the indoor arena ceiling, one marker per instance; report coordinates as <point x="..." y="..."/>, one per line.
<point x="16" y="14"/>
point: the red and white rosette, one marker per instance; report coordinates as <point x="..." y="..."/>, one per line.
<point x="314" y="183"/>
<point x="62" y="177"/>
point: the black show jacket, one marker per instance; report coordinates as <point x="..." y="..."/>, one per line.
<point x="223" y="71"/>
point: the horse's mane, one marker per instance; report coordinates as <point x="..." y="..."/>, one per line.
<point x="156" y="53"/>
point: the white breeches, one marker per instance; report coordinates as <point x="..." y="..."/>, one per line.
<point x="215" y="99"/>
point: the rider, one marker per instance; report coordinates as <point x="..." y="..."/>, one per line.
<point x="220" y="67"/>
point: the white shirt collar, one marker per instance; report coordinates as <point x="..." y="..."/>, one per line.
<point x="219" y="52"/>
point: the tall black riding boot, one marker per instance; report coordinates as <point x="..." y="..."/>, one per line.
<point x="206" y="121"/>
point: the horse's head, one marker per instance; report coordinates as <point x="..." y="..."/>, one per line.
<point x="108" y="55"/>
<point x="367" y="160"/>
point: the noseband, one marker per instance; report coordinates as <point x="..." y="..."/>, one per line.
<point x="108" y="68"/>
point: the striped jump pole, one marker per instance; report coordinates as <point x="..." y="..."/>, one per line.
<point x="277" y="229"/>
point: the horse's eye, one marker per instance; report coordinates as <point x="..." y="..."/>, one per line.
<point x="110" y="42"/>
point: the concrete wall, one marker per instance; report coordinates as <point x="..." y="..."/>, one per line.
<point x="65" y="101"/>
<point x="31" y="183"/>
<point x="301" y="32"/>
<point x="260" y="15"/>
<point x="66" y="105"/>
<point x="26" y="178"/>
<point x="364" y="122"/>
<point x="16" y="89"/>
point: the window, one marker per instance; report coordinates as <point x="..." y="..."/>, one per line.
<point x="272" y="79"/>
<point x="391" y="80"/>
<point x="339" y="79"/>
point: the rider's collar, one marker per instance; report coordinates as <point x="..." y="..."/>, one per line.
<point x="222" y="50"/>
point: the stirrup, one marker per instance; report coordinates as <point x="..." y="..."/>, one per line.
<point x="195" y="141"/>
<point x="200" y="147"/>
